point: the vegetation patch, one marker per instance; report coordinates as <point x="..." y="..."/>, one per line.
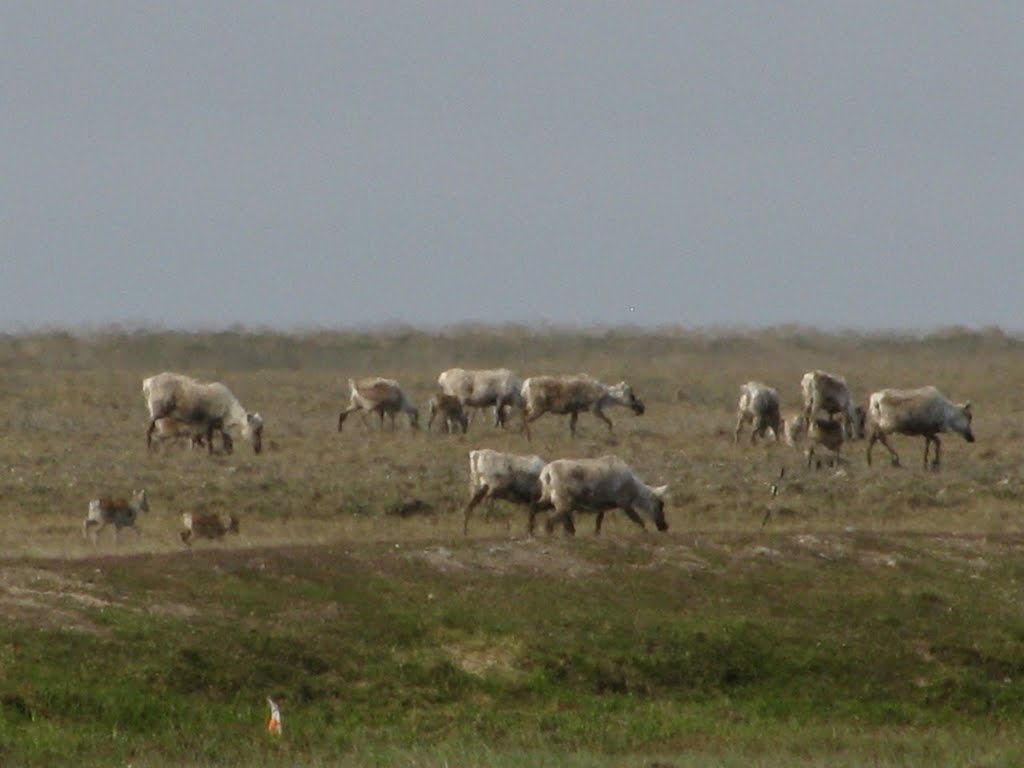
<point x="866" y="616"/>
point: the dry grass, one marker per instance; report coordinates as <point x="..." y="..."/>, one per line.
<point x="70" y="435"/>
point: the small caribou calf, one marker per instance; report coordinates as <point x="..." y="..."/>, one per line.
<point x="207" y="526"/>
<point x="123" y="514"/>
<point x="171" y="430"/>
<point x="449" y="408"/>
<point x="828" y="434"/>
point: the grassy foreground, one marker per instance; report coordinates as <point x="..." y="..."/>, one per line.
<point x="766" y="650"/>
<point x="874" y="619"/>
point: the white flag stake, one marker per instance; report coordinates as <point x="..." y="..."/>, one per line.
<point x="274" y="723"/>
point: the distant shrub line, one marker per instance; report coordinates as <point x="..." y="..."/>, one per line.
<point x="255" y="349"/>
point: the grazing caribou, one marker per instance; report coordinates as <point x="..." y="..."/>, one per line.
<point x="574" y="395"/>
<point x="828" y="393"/>
<point x="477" y="389"/>
<point x="599" y="485"/>
<point x="506" y="476"/>
<point x="380" y="396"/>
<point x="204" y="407"/>
<point x="924" y="412"/>
<point x="758" y="405"/>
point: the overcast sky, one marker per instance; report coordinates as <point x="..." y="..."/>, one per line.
<point x="304" y="165"/>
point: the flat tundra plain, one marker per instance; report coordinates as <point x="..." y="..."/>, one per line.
<point x="74" y="429"/>
<point x="74" y="420"/>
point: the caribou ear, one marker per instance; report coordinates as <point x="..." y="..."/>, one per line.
<point x="660" y="491"/>
<point x="967" y="407"/>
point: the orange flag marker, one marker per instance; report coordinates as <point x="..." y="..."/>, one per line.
<point x="274" y="723"/>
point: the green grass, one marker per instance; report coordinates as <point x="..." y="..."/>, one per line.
<point x="381" y="651"/>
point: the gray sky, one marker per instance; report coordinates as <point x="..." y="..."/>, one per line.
<point x="298" y="165"/>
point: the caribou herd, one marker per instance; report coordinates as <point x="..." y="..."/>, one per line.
<point x="181" y="407"/>
<point x="830" y="416"/>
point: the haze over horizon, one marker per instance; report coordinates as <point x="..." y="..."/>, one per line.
<point x="363" y="165"/>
